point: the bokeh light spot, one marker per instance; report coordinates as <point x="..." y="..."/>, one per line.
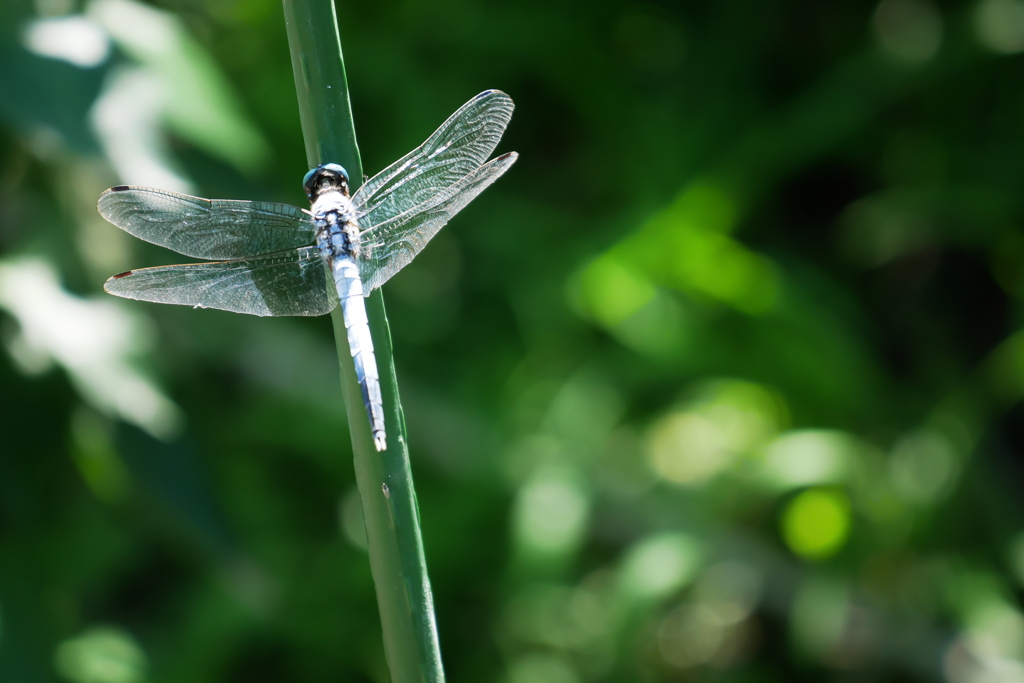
<point x="688" y="448"/>
<point x="102" y="655"/>
<point x="816" y="523"/>
<point x="551" y="512"/>
<point x="611" y="291"/>
<point x="878" y="230"/>
<point x="923" y="467"/>
<point x="556" y="616"/>
<point x="993" y="627"/>
<point x="690" y="635"/>
<point x="731" y="588"/>
<point x="1000" y="25"/>
<point x="684" y="247"/>
<point x="728" y="417"/>
<point x="807" y="457"/>
<point x="910" y="30"/>
<point x="820" y="614"/>
<point x="660" y="565"/>
<point x="710" y="627"/>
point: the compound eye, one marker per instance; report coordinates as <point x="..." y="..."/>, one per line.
<point x="329" y="172"/>
<point x="307" y="180"/>
<point x="336" y="169"/>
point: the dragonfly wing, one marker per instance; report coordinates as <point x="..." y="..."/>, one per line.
<point x="287" y="283"/>
<point x="206" y="228"/>
<point x="390" y="246"/>
<point x="457" y="148"/>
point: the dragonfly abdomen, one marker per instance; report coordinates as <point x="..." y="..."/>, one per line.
<point x="350" y="293"/>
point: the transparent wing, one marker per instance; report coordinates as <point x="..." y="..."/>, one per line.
<point x="206" y="228"/>
<point x="390" y="246"/>
<point x="457" y="148"/>
<point x="287" y="283"/>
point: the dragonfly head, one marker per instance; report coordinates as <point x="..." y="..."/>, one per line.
<point x="323" y="178"/>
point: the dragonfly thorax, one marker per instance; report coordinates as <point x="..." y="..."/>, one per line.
<point x="337" y="230"/>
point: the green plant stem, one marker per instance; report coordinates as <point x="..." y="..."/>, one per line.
<point x="384" y="479"/>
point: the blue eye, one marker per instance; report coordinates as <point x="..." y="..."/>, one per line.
<point x="338" y="169"/>
<point x="315" y="175"/>
<point x="309" y="176"/>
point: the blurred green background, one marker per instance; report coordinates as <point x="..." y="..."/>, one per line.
<point x="722" y="382"/>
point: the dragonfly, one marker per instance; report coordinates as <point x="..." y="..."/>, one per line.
<point x="271" y="259"/>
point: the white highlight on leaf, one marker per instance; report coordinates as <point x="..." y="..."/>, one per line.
<point x="127" y="118"/>
<point x="75" y="39"/>
<point x="95" y="341"/>
<point x="200" y="103"/>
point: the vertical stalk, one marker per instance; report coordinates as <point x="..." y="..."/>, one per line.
<point x="384" y="479"/>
